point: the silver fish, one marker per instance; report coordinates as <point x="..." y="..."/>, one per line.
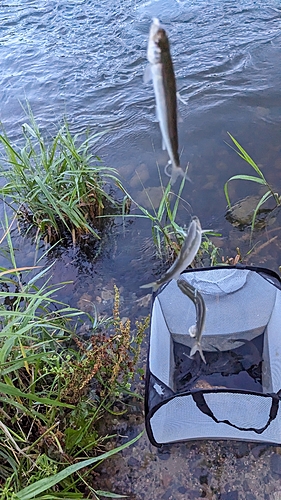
<point x="197" y="329"/>
<point x="162" y="74"/>
<point x="187" y="253"/>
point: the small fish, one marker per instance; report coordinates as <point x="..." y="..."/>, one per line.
<point x="162" y="74"/>
<point x="187" y="253"/>
<point x="197" y="329"/>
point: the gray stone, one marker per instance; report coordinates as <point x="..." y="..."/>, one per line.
<point x="275" y="463"/>
<point x="133" y="462"/>
<point x="230" y="495"/>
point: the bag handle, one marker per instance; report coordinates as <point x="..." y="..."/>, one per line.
<point x="202" y="405"/>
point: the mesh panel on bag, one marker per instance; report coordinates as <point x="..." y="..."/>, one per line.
<point x="179" y="419"/>
<point x="242" y="410"/>
<point x="242" y="346"/>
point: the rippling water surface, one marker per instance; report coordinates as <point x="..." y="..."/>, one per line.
<point x="85" y="60"/>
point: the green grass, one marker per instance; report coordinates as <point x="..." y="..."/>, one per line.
<point x="56" y="185"/>
<point x="55" y="386"/>
<point x="167" y="234"/>
<point x="259" y="179"/>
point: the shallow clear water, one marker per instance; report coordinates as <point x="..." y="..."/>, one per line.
<point x="85" y="60"/>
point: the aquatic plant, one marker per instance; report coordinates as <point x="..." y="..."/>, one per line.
<point x="57" y="186"/>
<point x="53" y="388"/>
<point x="209" y="253"/>
<point x="259" y="179"/>
<point x="167" y="235"/>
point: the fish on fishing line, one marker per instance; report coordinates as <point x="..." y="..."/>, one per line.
<point x="196" y="330"/>
<point x="187" y="254"/>
<point x="161" y="72"/>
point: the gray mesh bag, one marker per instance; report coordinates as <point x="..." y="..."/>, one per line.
<point x="236" y="393"/>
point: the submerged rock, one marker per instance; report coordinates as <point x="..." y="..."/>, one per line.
<point x="241" y="214"/>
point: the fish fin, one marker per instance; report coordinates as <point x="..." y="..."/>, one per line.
<point x="176" y="172"/>
<point x="195" y="348"/>
<point x="147" y="76"/>
<point x="181" y="99"/>
<point x="152" y="285"/>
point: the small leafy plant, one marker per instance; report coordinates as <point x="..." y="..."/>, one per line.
<point x="259" y="179"/>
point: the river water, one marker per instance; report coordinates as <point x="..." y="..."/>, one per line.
<point x="84" y="60"/>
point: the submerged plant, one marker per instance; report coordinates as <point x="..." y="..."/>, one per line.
<point x="58" y="187"/>
<point x="259" y="179"/>
<point x="209" y="253"/>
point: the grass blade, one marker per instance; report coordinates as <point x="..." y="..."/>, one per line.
<point x="33" y="490"/>
<point x="263" y="199"/>
<point x="13" y="391"/>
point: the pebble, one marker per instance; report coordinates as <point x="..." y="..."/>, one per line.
<point x="230" y="495"/>
<point x="258" y="450"/>
<point x="182" y="490"/>
<point x="107" y="294"/>
<point x="85" y="303"/>
<point x="133" y="462"/>
<point x="140" y="177"/>
<point x="164" y="454"/>
<point x="250" y="496"/>
<point x="148" y="195"/>
<point x="144" y="301"/>
<point x="275" y="464"/>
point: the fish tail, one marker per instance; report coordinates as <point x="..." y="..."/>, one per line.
<point x="152" y="285"/>
<point x="176" y="172"/>
<point x="195" y="348"/>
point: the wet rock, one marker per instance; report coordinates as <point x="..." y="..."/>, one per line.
<point x="166" y="479"/>
<point x="275" y="464"/>
<point x="141" y="175"/>
<point x="163" y="453"/>
<point x="246" y="486"/>
<point x="222" y="166"/>
<point x="211" y="182"/>
<point x="250" y="496"/>
<point x="85" y="303"/>
<point x="133" y="462"/>
<point x="144" y="301"/>
<point x="262" y="112"/>
<point x="182" y="490"/>
<point x="126" y="170"/>
<point x="203" y="479"/>
<point x="257" y="451"/>
<point x="242" y="450"/>
<point x="148" y="195"/>
<point x="230" y="495"/>
<point x="168" y="495"/>
<point x="107" y="294"/>
<point x="267" y="479"/>
<point x="241" y="213"/>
